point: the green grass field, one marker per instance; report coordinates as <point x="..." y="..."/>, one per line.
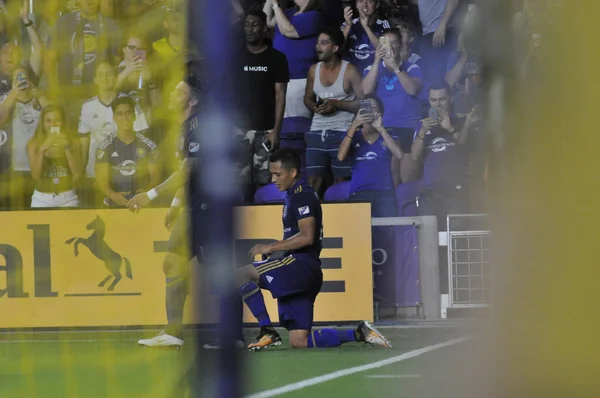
<point x="111" y="364"/>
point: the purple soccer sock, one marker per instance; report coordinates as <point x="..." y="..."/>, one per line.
<point x="254" y="299"/>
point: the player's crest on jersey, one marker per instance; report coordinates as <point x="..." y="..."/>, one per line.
<point x="194" y="147"/>
<point x="141" y="152"/>
<point x="193" y="124"/>
<point x="304" y="210"/>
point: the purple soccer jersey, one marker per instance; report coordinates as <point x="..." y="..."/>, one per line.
<point x="300" y="52"/>
<point x="359" y="49"/>
<point x="401" y="109"/>
<point x="445" y="162"/>
<point x="371" y="170"/>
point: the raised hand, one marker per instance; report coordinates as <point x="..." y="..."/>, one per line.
<point x="348" y="15"/>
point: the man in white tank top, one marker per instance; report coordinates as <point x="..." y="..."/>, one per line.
<point x="333" y="90"/>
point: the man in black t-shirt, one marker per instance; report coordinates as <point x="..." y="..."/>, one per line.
<point x="261" y="76"/>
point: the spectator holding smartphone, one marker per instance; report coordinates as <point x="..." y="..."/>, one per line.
<point x="371" y="147"/>
<point x="397" y="83"/>
<point x="440" y="144"/>
<point x="262" y="77"/>
<point x="135" y="78"/>
<point x="55" y="160"/>
<point x="20" y="110"/>
<point x="11" y="56"/>
<point x="362" y="33"/>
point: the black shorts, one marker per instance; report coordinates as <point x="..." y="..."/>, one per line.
<point x="187" y="238"/>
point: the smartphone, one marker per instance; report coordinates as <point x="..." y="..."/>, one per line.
<point x="267" y="145"/>
<point x="141" y="54"/>
<point x="385" y="42"/>
<point x="433" y="114"/>
<point x="366" y="107"/>
<point x="54" y="130"/>
<point x="21" y="80"/>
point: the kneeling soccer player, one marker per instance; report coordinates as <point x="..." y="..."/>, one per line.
<point x="295" y="279"/>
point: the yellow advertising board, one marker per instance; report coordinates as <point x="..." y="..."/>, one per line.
<point x="85" y="268"/>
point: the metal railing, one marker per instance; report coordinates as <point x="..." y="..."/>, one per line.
<point x="469" y="261"/>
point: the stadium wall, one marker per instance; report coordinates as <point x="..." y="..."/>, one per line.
<point x="51" y="270"/>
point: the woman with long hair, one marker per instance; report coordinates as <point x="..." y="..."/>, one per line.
<point x="372" y="149"/>
<point x="55" y="159"/>
<point x="397" y="82"/>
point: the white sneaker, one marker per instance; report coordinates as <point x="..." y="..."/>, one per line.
<point x="162" y="340"/>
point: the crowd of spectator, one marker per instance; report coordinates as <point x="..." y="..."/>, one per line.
<point x="381" y="101"/>
<point x="380" y="98"/>
<point x="85" y="119"/>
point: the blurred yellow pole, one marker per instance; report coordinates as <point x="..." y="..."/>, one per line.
<point x="547" y="249"/>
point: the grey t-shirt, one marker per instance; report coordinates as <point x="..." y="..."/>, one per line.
<point x="89" y="39"/>
<point x="431" y="13"/>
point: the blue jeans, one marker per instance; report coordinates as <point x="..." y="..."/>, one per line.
<point x="383" y="203"/>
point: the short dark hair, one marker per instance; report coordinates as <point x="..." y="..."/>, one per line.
<point x="125" y="99"/>
<point x="440" y="85"/>
<point x="288" y="158"/>
<point x="258" y="14"/>
<point x="336" y="36"/>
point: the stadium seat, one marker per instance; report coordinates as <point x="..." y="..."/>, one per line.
<point x="339" y="191"/>
<point x="295" y="142"/>
<point x="269" y="193"/>
<point x="292" y="140"/>
<point x="406" y="195"/>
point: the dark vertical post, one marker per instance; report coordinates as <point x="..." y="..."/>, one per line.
<point x="219" y="373"/>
